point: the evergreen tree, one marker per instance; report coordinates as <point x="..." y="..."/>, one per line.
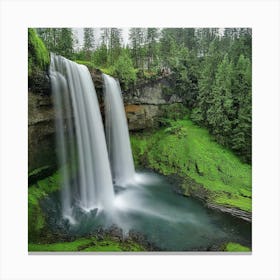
<point x="152" y="50"/>
<point x="105" y="36"/>
<point x="206" y="79"/>
<point x="241" y="136"/>
<point x="220" y="112"/>
<point x="137" y="37"/>
<point x="205" y="36"/>
<point x="88" y="42"/>
<point x="66" y="43"/>
<point x="115" y="44"/>
<point x="100" y="56"/>
<point x="123" y="69"/>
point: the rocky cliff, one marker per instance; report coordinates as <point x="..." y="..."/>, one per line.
<point x="41" y="132"/>
<point x="146" y="103"/>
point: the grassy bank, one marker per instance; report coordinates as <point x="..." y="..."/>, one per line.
<point x="188" y="151"/>
<point x="92" y="244"/>
<point x="235" y="247"/>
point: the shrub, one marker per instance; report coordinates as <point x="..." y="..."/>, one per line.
<point x="123" y="69"/>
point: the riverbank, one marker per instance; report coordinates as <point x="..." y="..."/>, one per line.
<point x="207" y="170"/>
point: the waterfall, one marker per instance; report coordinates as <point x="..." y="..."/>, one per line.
<point x="80" y="138"/>
<point x="117" y="135"/>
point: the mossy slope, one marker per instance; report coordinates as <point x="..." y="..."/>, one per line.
<point x="188" y="151"/>
<point x="38" y="55"/>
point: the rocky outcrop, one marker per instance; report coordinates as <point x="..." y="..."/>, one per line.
<point x="244" y="215"/>
<point x="145" y="104"/>
<point x="41" y="131"/>
<point x="151" y="93"/>
<point x="142" y="116"/>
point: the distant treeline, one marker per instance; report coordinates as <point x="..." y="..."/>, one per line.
<point x="210" y="68"/>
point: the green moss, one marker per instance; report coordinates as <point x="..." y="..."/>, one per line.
<point x="235" y="247"/>
<point x="91" y="244"/>
<point x="108" y="71"/>
<point x="38" y="55"/>
<point x="139" y="149"/>
<point x="36" y="192"/>
<point x="189" y="151"/>
<point x="40" y="173"/>
<point x="87" y="63"/>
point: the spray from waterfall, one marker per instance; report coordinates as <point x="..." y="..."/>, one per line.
<point x="80" y="138"/>
<point x="117" y="134"/>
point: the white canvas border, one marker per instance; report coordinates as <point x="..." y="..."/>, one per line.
<point x="17" y="16"/>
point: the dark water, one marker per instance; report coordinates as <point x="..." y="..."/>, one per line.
<point x="151" y="207"/>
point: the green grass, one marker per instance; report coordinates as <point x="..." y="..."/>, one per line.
<point x="189" y="151"/>
<point x="87" y="63"/>
<point x="91" y="244"/>
<point x="235" y="247"/>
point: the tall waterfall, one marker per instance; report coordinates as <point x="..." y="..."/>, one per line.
<point x="78" y="119"/>
<point x="117" y="135"/>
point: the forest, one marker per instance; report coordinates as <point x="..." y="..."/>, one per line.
<point x="140" y="139"/>
<point x="210" y="68"/>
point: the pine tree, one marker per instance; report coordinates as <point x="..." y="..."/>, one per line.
<point x="88" y="42"/>
<point x="220" y="112"/>
<point x="152" y="51"/>
<point x="136" y="38"/>
<point x="241" y="136"/>
<point x="66" y="43"/>
<point x="115" y="44"/>
<point x="207" y="75"/>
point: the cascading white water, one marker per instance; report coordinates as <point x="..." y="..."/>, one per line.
<point x="74" y="95"/>
<point x="117" y="135"/>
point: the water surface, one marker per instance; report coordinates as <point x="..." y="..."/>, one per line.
<point x="151" y="207"/>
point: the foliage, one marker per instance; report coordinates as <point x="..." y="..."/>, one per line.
<point x="111" y="39"/>
<point x="189" y="152"/>
<point x="174" y="111"/>
<point x="123" y="69"/>
<point x="87" y="63"/>
<point x="99" y="57"/>
<point x="91" y="244"/>
<point x="223" y="104"/>
<point x="235" y="247"/>
<point x="38" y="56"/>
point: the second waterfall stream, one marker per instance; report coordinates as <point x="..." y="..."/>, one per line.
<point x="117" y="135"/>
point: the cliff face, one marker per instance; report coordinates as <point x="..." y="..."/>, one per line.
<point x="145" y="104"/>
<point x="41" y="131"/>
